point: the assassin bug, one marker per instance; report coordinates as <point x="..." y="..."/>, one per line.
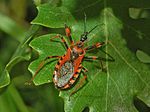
<point x="69" y="66"/>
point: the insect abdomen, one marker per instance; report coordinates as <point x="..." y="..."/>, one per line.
<point x="63" y="74"/>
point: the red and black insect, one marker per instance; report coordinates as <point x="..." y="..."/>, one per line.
<point x="69" y="66"/>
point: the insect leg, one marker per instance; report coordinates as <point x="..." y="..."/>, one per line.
<point x="40" y="67"/>
<point x="97" y="45"/>
<point x="83" y="68"/>
<point x="62" y="39"/>
<point x="68" y="34"/>
<point x="80" y="84"/>
<point x="96" y="58"/>
<point x="101" y="59"/>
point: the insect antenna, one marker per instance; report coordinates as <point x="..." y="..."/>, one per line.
<point x="85" y="34"/>
<point x="93" y="29"/>
<point x="84" y="22"/>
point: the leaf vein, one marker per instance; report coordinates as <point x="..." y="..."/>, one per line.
<point x="139" y="75"/>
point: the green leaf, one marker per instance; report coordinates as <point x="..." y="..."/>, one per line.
<point x="21" y="53"/>
<point x="58" y="16"/>
<point x="125" y="78"/>
<point x="50" y="48"/>
<point x="143" y="57"/>
<point x="144" y="95"/>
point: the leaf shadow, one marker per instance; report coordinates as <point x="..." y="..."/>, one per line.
<point x="140" y="105"/>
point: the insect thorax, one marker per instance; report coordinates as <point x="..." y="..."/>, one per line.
<point x="64" y="74"/>
<point x="76" y="52"/>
